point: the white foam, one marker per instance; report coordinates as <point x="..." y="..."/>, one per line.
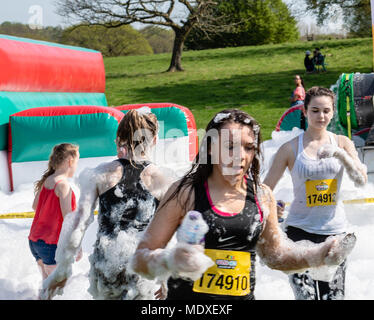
<point x="20" y="278"/>
<point x="220" y="117"/>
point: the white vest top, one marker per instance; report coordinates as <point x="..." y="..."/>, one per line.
<point x="316" y="185"/>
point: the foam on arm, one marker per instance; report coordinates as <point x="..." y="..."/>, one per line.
<point x="281" y="253"/>
<point x="348" y="158"/>
<point x="153" y="259"/>
<point x="72" y="233"/>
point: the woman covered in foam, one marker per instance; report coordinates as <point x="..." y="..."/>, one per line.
<point x="316" y="160"/>
<point x="128" y="190"/>
<point x="241" y="217"/>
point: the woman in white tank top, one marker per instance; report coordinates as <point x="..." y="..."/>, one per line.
<point x="316" y="160"/>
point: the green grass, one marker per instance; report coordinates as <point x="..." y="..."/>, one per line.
<point x="256" y="79"/>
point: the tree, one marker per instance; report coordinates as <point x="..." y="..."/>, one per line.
<point x="179" y="15"/>
<point x="111" y="42"/>
<point x="258" y="22"/>
<point x="23" y="30"/>
<point x="356" y="13"/>
<point x="308" y="30"/>
<point x="160" y="39"/>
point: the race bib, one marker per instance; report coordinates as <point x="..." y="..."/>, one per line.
<point x="321" y="192"/>
<point x="230" y="275"/>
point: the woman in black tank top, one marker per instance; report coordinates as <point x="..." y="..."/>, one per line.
<point x="229" y="234"/>
<point x="128" y="190"/>
<point x="223" y="184"/>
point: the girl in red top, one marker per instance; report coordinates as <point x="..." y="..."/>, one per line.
<point x="54" y="198"/>
<point x="298" y="95"/>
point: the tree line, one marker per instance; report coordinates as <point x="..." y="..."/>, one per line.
<point x="251" y="24"/>
<point x="227" y="24"/>
<point x="121" y="41"/>
<point x="196" y="24"/>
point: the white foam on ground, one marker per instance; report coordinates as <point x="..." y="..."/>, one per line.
<point x="20" y="277"/>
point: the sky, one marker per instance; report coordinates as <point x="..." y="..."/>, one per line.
<point x="43" y="13"/>
<point x="34" y="12"/>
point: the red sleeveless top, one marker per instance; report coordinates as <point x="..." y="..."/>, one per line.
<point x="48" y="217"/>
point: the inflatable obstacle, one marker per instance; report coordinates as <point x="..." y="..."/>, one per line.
<point x="52" y="93"/>
<point x="42" y="74"/>
<point x="293" y="117"/>
<point x="34" y="132"/>
<point x="37" y="74"/>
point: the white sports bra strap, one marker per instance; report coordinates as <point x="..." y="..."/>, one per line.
<point x="332" y="139"/>
<point x="300" y="146"/>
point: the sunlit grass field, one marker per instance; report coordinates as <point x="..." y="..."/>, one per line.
<point x="256" y="79"/>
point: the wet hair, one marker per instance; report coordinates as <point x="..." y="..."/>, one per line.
<point x="59" y="154"/>
<point x="202" y="166"/>
<point x="318" y="92"/>
<point x="136" y="131"/>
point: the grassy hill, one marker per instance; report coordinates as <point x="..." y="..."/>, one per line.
<point x="257" y="79"/>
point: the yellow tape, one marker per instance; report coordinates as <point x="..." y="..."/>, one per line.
<point x="352" y="201"/>
<point x="22" y="215"/>
<point x="25" y="215"/>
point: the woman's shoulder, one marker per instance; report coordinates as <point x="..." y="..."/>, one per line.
<point x="62" y="187"/>
<point x="182" y="189"/>
<point x="108" y="166"/>
<point x="266" y="199"/>
<point x="180" y="194"/>
<point x="341" y="140"/>
<point x="288" y="147"/>
<point x="103" y="177"/>
<point x="300" y="89"/>
<point x="264" y="191"/>
<point x="56" y="182"/>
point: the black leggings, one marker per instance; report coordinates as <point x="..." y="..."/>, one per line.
<point x="304" y="287"/>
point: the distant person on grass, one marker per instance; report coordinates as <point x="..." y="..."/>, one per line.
<point x="308" y="62"/>
<point x="298" y="95"/>
<point x="319" y="59"/>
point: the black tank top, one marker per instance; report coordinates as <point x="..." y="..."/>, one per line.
<point x="237" y="234"/>
<point x="128" y="203"/>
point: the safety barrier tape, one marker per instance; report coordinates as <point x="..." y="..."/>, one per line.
<point x="352" y="201"/>
<point x="22" y="215"/>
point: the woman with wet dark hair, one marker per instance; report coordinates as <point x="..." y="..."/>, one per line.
<point x="223" y="185"/>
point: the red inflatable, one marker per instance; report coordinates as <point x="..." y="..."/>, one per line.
<point x="35" y="66"/>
